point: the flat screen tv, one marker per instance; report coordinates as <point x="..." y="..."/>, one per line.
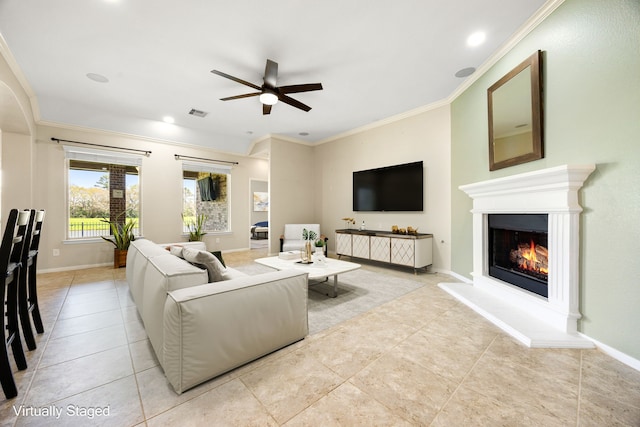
<point x="396" y="188"/>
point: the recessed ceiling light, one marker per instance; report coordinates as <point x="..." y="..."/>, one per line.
<point x="465" y="72"/>
<point x="476" y="39"/>
<point x="168" y="119"/>
<point x="97" y="78"/>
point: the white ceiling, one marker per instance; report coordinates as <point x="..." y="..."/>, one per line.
<point x="375" y="59"/>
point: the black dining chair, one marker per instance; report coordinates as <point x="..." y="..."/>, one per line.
<point x="34" y="307"/>
<point x="26" y="286"/>
<point x="10" y="252"/>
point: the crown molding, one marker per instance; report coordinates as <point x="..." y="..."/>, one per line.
<point x="547" y="9"/>
<point x="19" y="75"/>
<point x="271" y="136"/>
<point x="386" y="121"/>
<point x="289" y="139"/>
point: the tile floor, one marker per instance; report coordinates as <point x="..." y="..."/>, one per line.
<point x="421" y="359"/>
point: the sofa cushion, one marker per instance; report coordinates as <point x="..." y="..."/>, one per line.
<point x="176" y="250"/>
<point x="164" y="273"/>
<point x="195" y="245"/>
<point x="208" y="260"/>
<point x="232" y="273"/>
<point x="142" y="242"/>
<point x="140" y="251"/>
<point x="148" y="248"/>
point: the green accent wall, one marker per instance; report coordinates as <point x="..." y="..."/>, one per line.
<point x="591" y="67"/>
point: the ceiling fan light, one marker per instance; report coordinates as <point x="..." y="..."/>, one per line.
<point x="268" y="98"/>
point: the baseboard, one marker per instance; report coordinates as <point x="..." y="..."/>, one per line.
<point x="616" y="354"/>
<point x="74" y="267"/>
<point x="228" y="251"/>
<point x="456" y="275"/>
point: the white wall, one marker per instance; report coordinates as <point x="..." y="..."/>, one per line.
<point x="17" y="172"/>
<point x="423" y="136"/>
<point x="293" y="197"/>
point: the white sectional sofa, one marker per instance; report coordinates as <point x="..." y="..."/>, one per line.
<point x="199" y="329"/>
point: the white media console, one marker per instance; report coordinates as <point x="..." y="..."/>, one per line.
<point x="411" y="250"/>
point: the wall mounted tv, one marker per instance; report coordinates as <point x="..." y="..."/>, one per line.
<point x="396" y="188"/>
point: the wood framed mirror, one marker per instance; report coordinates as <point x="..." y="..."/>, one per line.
<point x="515" y="115"/>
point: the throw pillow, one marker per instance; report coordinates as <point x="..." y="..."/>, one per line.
<point x="213" y="265"/>
<point x="218" y="254"/>
<point x="176" y="250"/>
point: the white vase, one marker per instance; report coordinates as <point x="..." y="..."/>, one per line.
<point x="306" y="252"/>
<point x="318" y="258"/>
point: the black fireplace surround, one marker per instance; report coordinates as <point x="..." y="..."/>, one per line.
<point x="511" y="238"/>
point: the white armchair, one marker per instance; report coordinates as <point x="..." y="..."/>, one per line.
<point x="292" y="239"/>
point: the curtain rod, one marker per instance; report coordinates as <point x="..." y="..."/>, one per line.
<point x="145" y="152"/>
<point x="180" y="156"/>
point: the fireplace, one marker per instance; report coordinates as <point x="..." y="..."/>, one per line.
<point x="526" y="255"/>
<point x="518" y="250"/>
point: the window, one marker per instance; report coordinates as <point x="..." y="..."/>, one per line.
<point x="101" y="186"/>
<point x="206" y="196"/>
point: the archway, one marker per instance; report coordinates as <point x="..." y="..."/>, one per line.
<point x="13" y="123"/>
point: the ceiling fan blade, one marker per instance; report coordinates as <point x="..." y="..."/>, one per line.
<point x="300" y="88"/>
<point x="246" y="95"/>
<point x="235" y="79"/>
<point x="294" y="103"/>
<point x="271" y="73"/>
<point x="266" y="109"/>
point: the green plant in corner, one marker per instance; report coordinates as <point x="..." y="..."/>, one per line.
<point x="195" y="227"/>
<point x="121" y="234"/>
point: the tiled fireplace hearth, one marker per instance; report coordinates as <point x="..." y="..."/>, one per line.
<point x="533" y="319"/>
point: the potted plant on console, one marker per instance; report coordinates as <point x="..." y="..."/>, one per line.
<point x="121" y="236"/>
<point x="195" y="227"/>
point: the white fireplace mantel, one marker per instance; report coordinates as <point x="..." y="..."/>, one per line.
<point x="534" y="320"/>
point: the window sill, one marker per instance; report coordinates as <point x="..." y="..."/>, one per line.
<point x="82" y="241"/>
<point x="212" y="233"/>
<point x="100" y="240"/>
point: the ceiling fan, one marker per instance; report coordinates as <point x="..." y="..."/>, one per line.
<point x="269" y="93"/>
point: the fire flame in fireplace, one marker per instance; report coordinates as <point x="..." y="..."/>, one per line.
<point x="531" y="257"/>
